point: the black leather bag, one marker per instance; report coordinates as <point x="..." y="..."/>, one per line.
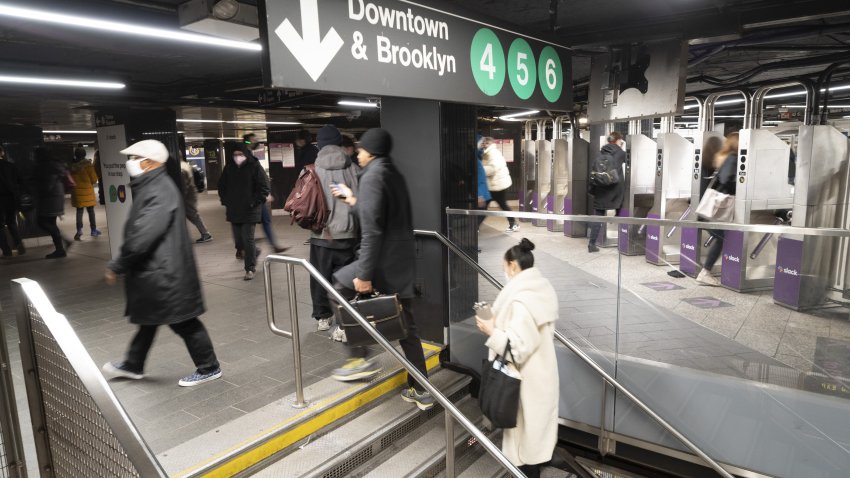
<point x="498" y="396"/>
<point x="384" y="312"/>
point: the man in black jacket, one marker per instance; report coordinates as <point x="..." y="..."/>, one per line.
<point x="11" y="188"/>
<point x="608" y="197"/>
<point x="305" y="151"/>
<point x="162" y="284"/>
<point x="387" y="259"/>
<point x="243" y="188"/>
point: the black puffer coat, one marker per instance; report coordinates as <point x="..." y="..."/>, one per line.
<point x="50" y="175"/>
<point x="162" y="279"/>
<point x="243" y="190"/>
<point x="611" y="197"/>
<point x="387" y="251"/>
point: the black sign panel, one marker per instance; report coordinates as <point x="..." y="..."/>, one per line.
<point x="396" y="48"/>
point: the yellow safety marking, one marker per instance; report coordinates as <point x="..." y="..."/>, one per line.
<point x="303" y="430"/>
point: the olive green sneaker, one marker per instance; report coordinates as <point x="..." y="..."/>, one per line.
<point x="423" y="400"/>
<point x="356" y="369"/>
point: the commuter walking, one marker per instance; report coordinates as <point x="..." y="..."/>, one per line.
<point x="524" y="316"/>
<point x="251" y="143"/>
<point x="725" y="164"/>
<point x="51" y="173"/>
<point x="386" y="262"/>
<point x="498" y="179"/>
<point x="12" y="188"/>
<point x="608" y="197"/>
<point x="82" y="194"/>
<point x="162" y="284"/>
<point x="334" y="246"/>
<point x="99" y="173"/>
<point x="190" y="201"/>
<point x="484" y="196"/>
<point x="243" y="188"/>
<point x="305" y="151"/>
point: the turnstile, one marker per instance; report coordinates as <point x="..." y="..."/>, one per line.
<point x="528" y="171"/>
<point x="672" y="196"/>
<point x="640" y="192"/>
<point x="543" y="187"/>
<point x="573" y="155"/>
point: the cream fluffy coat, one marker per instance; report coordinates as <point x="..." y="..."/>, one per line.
<point x="525" y="312"/>
<point x="498" y="175"/>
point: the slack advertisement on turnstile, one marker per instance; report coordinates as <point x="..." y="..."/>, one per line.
<point x="404" y="49"/>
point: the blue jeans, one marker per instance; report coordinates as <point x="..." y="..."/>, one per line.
<point x="266" y="220"/>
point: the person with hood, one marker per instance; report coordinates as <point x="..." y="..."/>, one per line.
<point x="190" y="201"/>
<point x="332" y="248"/>
<point x="305" y="151"/>
<point x="243" y="188"/>
<point x="608" y="197"/>
<point x="51" y="173"/>
<point x="251" y="145"/>
<point x="387" y="259"/>
<point x="11" y="189"/>
<point x="82" y="195"/>
<point x="524" y="316"/>
<point x="162" y="284"/>
<point x="498" y="179"/>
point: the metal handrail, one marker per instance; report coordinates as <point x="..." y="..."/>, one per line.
<point x="639" y="221"/>
<point x="447" y="405"/>
<point x="589" y="361"/>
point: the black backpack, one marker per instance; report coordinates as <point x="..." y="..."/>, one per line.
<point x="199" y="178"/>
<point x="604" y="171"/>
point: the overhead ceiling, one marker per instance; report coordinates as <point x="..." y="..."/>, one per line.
<point x="727" y="38"/>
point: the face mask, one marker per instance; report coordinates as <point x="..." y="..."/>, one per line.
<point x="134" y="168"/>
<point x="507" y="273"/>
<point x="239" y="160"/>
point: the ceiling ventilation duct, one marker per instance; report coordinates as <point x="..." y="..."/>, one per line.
<point x="221" y="18"/>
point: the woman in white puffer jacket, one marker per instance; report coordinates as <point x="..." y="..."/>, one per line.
<point x="498" y="178"/>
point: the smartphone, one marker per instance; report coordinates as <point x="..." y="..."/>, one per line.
<point x="483" y="310"/>
<point x="335" y="188"/>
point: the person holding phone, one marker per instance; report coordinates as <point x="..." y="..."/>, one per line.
<point x="524" y="316"/>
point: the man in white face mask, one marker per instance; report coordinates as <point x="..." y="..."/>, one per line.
<point x="162" y="284"/>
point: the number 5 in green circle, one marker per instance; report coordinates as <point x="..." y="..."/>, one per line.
<point x="521" y="68"/>
<point x="488" y="62"/>
<point x="551" y="74"/>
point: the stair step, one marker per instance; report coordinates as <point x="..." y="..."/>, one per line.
<point x="484" y="467"/>
<point x="425" y="454"/>
<point x="339" y="451"/>
<point x="253" y="439"/>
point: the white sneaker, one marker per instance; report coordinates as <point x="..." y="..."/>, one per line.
<point x="705" y="278"/>
<point x="338" y="335"/>
<point x="323" y="324"/>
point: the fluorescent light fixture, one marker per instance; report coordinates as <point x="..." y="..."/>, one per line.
<point x="520" y="114"/>
<point x="365" y="104"/>
<point x="185" y="120"/>
<point x="230" y="137"/>
<point x="120" y="27"/>
<point x="195" y="138"/>
<point x="716" y="116"/>
<point x="582" y="120"/>
<point x="263" y="122"/>
<point x="31" y="80"/>
<point x="67" y="131"/>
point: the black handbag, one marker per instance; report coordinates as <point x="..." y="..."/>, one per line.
<point x="498" y="396"/>
<point x="384" y="312"/>
<point x="26" y="202"/>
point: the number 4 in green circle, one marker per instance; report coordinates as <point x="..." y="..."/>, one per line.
<point x="488" y="62"/>
<point x="521" y="68"/>
<point x="551" y="74"/>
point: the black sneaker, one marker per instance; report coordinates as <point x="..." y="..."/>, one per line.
<point x="204" y="238"/>
<point x="119" y="369"/>
<point x="56" y="255"/>
<point x="592" y="248"/>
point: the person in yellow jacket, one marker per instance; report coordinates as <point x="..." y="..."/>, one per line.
<point x="82" y="193"/>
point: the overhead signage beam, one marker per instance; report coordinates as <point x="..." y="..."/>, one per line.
<point x="406" y="49"/>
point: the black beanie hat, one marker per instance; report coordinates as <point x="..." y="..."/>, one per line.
<point x="328" y="135"/>
<point x="377" y="141"/>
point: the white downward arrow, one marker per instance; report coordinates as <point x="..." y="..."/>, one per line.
<point x="314" y="53"/>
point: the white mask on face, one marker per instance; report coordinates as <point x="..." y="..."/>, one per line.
<point x="239" y="159"/>
<point x="134" y="167"/>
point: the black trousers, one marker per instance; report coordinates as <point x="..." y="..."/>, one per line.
<point x="92" y="221"/>
<point x="596" y="227"/>
<point x="243" y="237"/>
<point x="411" y="346"/>
<point x="48" y="223"/>
<point x="501" y="199"/>
<point x="193" y="333"/>
<point x="8" y="218"/>
<point x="327" y="261"/>
<point x="531" y="471"/>
<point x="715" y="249"/>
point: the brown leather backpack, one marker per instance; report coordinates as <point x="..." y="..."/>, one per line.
<point x="306" y="202"/>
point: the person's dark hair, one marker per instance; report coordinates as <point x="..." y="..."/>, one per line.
<point x="79" y="153"/>
<point x="347" y="141"/>
<point x="305" y="135"/>
<point x="521" y="253"/>
<point x="614" y="136"/>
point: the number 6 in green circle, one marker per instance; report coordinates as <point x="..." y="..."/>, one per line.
<point x="521" y="68"/>
<point x="551" y="74"/>
<point x="488" y="62"/>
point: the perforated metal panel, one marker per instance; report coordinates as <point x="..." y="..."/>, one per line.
<point x="12" y="463"/>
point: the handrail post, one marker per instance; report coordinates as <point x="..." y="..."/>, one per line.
<point x="296" y="337"/>
<point x="450" y="446"/>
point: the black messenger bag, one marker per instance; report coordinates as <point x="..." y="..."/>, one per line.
<point x="384" y="312"/>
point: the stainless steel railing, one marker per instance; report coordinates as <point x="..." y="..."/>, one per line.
<point x="584" y="357"/>
<point x="452" y="412"/>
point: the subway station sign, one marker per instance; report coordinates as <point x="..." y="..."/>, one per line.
<point x="407" y="49"/>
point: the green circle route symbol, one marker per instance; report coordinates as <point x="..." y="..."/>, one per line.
<point x="488" y="62"/>
<point x="551" y="74"/>
<point x="521" y="68"/>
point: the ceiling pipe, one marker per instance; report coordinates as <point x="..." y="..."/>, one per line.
<point x="802" y="62"/>
<point x="823" y="83"/>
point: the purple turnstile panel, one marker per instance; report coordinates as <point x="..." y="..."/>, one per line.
<point x="653" y="240"/>
<point x="688" y="259"/>
<point x="733" y="251"/>
<point x="623" y="236"/>
<point x="789" y="264"/>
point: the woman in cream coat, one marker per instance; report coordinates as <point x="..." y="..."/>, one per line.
<point x="524" y="315"/>
<point x="498" y="179"/>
